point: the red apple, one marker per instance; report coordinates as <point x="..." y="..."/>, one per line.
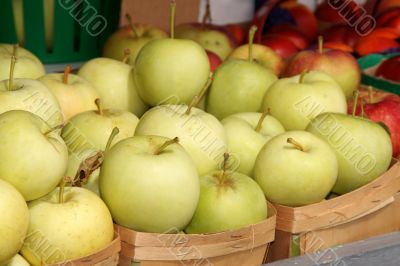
<point x="341" y="33"/>
<point x="282" y="45"/>
<point x="384" y="18"/>
<point x="385" y="108"/>
<point x="326" y="13"/>
<point x="214" y="59"/>
<point x="341" y="66"/>
<point x="238" y="32"/>
<point x="338" y="46"/>
<point x="292" y="33"/>
<point x="303" y="17"/>
<point x="389" y="69"/>
<point x="384" y="5"/>
<point x="368" y="45"/>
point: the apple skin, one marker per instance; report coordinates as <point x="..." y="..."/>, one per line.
<point x="369" y="45"/>
<point x="362" y="147"/>
<point x="27" y="65"/>
<point x="214" y="59"/>
<point x="342" y="34"/>
<point x="387" y="69"/>
<point x="115" y="84"/>
<point x="138" y="185"/>
<point x="292" y="177"/>
<point x="41" y="159"/>
<point x="13" y="223"/>
<point x="294" y="104"/>
<point x="92" y="130"/>
<point x="244" y="142"/>
<point x="163" y="72"/>
<point x="18" y="260"/>
<point x="200" y="133"/>
<point x="241" y="84"/>
<point x="303" y="17"/>
<point x="348" y="75"/>
<point x="214" y="38"/>
<point x="237" y="203"/>
<point x="292" y="33"/>
<point x="80" y="226"/>
<point x="75" y="97"/>
<point x="262" y="54"/>
<point x="32" y="96"/>
<point x="125" y="38"/>
<point x="282" y="45"/>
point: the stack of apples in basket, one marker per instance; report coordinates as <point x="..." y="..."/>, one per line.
<point x="186" y="131"/>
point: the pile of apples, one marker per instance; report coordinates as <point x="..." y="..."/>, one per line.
<point x="159" y="141"/>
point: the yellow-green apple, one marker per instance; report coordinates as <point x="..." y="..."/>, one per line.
<point x="262" y="54"/>
<point x="363" y="148"/>
<point x="75" y="94"/>
<point x="241" y="83"/>
<point x="71" y="222"/>
<point x="36" y="150"/>
<point x="296" y="168"/>
<point x="92" y="129"/>
<point x="13" y="223"/>
<point x="228" y="200"/>
<point x="247" y="133"/>
<point x="296" y="100"/>
<point x="18" y="260"/>
<point x="27" y="66"/>
<point x="115" y="84"/>
<point x="348" y="75"/>
<point x="132" y="37"/>
<point x="149" y="176"/>
<point x="200" y="133"/>
<point x="162" y="69"/>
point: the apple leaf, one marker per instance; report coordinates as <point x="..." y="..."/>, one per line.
<point x="87" y="167"/>
<point x="385" y="127"/>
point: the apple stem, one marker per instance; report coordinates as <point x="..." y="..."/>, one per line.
<point x="301" y="79"/>
<point x="198" y="97"/>
<point x="320" y="44"/>
<point x="53" y="129"/>
<point x="355" y="93"/>
<point x="127" y="53"/>
<point x="165" y="145"/>
<point x="221" y="177"/>
<point x="114" y="133"/>
<point x="172" y="18"/>
<point x="129" y="19"/>
<point x="370" y="96"/>
<point x="362" y="108"/>
<point x="296" y="144"/>
<point x="12" y="66"/>
<point x="99" y="106"/>
<point x="207" y="14"/>
<point x="67" y="70"/>
<point x="261" y="120"/>
<point x="252" y="31"/>
<point x="61" y="192"/>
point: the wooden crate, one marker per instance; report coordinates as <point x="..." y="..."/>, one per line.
<point x="109" y="256"/>
<point x="368" y="211"/>
<point x="245" y="246"/>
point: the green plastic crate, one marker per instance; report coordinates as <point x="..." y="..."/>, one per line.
<point x="371" y="61"/>
<point x="80" y="27"/>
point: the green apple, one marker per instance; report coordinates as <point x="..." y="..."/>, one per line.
<point x="115" y="83"/>
<point x="247" y="133"/>
<point x="200" y="133"/>
<point x="18" y="260"/>
<point x="296" y="168"/>
<point x="92" y="129"/>
<point x="27" y="66"/>
<point x="132" y="37"/>
<point x="75" y="94"/>
<point x="363" y="148"/>
<point x="66" y="225"/>
<point x="297" y="100"/>
<point x="29" y="95"/>
<point x="167" y="69"/>
<point x="150" y="184"/>
<point x="13" y="223"/>
<point x="262" y="54"/>
<point x="228" y="201"/>
<point x="37" y="151"/>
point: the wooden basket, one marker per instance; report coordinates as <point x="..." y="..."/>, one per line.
<point x="368" y="211"/>
<point x="246" y="246"/>
<point x="109" y="256"/>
